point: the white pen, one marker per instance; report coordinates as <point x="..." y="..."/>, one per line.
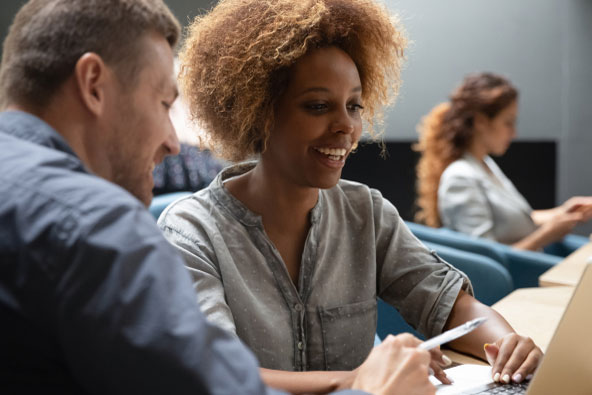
<point x="452" y="334"/>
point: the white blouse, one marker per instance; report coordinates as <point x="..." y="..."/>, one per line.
<point x="483" y="203"/>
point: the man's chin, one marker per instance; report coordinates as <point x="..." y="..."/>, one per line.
<point x="141" y="189"/>
<point x="146" y="198"/>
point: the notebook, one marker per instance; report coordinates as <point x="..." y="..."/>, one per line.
<point x="566" y="367"/>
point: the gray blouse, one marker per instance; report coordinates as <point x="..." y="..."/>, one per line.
<point x="480" y="203"/>
<point x="357" y="249"/>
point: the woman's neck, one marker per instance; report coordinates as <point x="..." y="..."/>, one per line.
<point x="284" y="208"/>
<point x="478" y="151"/>
<point x="268" y="193"/>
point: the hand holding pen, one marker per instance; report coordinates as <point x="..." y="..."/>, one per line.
<point x="443" y="338"/>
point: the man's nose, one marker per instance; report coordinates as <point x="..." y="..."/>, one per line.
<point x="172" y="142"/>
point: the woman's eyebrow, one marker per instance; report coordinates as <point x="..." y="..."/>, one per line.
<point x="325" y="90"/>
<point x="313" y="89"/>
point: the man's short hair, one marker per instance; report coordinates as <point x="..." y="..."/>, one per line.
<point x="48" y="37"/>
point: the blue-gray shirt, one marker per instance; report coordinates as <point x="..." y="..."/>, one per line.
<point x="92" y="298"/>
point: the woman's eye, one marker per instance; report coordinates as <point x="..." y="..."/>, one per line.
<point x="166" y="105"/>
<point x="355" y="107"/>
<point x="316" y="107"/>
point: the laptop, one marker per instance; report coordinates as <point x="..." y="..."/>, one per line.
<point x="566" y="367"/>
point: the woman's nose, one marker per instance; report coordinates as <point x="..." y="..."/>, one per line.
<point x="343" y="123"/>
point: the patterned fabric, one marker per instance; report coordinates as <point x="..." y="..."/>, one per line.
<point x="357" y="249"/>
<point x="191" y="170"/>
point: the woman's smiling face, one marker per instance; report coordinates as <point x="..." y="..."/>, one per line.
<point x="317" y="119"/>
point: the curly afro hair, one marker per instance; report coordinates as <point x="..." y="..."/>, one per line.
<point x="235" y="60"/>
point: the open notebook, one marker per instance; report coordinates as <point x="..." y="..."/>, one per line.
<point x="566" y="367"/>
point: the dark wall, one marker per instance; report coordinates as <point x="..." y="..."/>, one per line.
<point x="530" y="165"/>
<point x="184" y="10"/>
<point x="8" y="9"/>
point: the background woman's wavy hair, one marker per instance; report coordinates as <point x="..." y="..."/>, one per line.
<point x="447" y="132"/>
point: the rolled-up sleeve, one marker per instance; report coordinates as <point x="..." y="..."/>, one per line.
<point x="420" y="285"/>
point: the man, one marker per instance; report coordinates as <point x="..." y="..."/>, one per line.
<point x="92" y="297"/>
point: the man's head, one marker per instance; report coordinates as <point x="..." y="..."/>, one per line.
<point x="106" y="66"/>
<point x="48" y="37"/>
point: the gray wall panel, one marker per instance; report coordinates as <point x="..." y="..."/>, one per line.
<point x="520" y="39"/>
<point x="575" y="150"/>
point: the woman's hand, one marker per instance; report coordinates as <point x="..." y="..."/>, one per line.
<point x="438" y="362"/>
<point x="553" y="226"/>
<point x="396" y="366"/>
<point x="561" y="225"/>
<point x="513" y="358"/>
<point x="579" y="204"/>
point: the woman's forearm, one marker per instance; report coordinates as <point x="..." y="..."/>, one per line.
<point x="316" y="382"/>
<point x="534" y="241"/>
<point x="467" y="308"/>
<point x="539" y="217"/>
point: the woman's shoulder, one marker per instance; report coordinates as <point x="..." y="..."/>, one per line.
<point x="460" y="168"/>
<point x="353" y="190"/>
<point x="357" y="196"/>
<point x="196" y="211"/>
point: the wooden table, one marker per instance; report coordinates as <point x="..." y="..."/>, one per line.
<point x="569" y="270"/>
<point x="533" y="312"/>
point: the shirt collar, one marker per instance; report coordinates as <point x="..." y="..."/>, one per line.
<point x="236" y="207"/>
<point x="28" y="127"/>
<point x="232" y="204"/>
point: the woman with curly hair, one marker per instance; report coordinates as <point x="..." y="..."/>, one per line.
<point x="461" y="187"/>
<point x="282" y="252"/>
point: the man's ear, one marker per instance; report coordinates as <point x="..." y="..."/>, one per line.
<point x="91" y="76"/>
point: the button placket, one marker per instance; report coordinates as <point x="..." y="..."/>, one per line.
<point x="301" y="340"/>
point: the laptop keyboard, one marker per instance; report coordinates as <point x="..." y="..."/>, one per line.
<point x="506" y="389"/>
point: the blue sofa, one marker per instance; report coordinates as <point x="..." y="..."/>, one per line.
<point x="569" y="244"/>
<point x="160" y="202"/>
<point x="524" y="266"/>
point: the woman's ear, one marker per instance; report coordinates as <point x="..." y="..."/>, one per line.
<point x="91" y="76"/>
<point x="481" y="122"/>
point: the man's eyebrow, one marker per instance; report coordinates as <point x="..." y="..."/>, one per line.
<point x="167" y="87"/>
<point x="325" y="90"/>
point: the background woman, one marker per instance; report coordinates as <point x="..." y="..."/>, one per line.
<point x="461" y="187"/>
<point x="284" y="253"/>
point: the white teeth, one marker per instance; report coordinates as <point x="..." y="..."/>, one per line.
<point x="332" y="151"/>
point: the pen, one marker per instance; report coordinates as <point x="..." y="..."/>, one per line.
<point x="452" y="334"/>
